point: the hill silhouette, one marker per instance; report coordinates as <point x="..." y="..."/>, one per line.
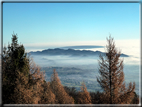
<point x="71" y="52"/>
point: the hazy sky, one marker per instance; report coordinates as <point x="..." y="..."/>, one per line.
<point x="54" y="24"/>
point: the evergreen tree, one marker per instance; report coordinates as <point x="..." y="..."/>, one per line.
<point x="58" y="90"/>
<point x="21" y="78"/>
<point x="111" y="77"/>
<point x="14" y="60"/>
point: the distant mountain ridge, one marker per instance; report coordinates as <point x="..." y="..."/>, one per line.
<point x="71" y="52"/>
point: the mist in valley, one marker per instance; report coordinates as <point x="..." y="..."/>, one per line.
<point x="73" y="70"/>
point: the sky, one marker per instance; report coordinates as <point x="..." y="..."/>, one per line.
<point x="43" y="25"/>
<point x="46" y="25"/>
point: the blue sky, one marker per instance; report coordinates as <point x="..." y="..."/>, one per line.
<point x="50" y="24"/>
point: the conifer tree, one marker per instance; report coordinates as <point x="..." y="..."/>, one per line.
<point x="21" y="78"/>
<point x="23" y="93"/>
<point x="111" y="77"/>
<point x="36" y="79"/>
<point x="57" y="88"/>
<point x="84" y="96"/>
<point x="47" y="96"/>
<point x="14" y="60"/>
<point x="28" y="89"/>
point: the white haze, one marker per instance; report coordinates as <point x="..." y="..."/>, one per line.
<point x="128" y="47"/>
<point x="63" y="60"/>
<point x="90" y="64"/>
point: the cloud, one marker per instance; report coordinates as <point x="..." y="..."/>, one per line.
<point x="129" y="47"/>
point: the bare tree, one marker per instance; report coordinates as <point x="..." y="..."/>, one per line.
<point x="111" y="77"/>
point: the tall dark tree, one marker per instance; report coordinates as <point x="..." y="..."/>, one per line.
<point x="21" y="78"/>
<point x="14" y="59"/>
<point x="111" y="77"/>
